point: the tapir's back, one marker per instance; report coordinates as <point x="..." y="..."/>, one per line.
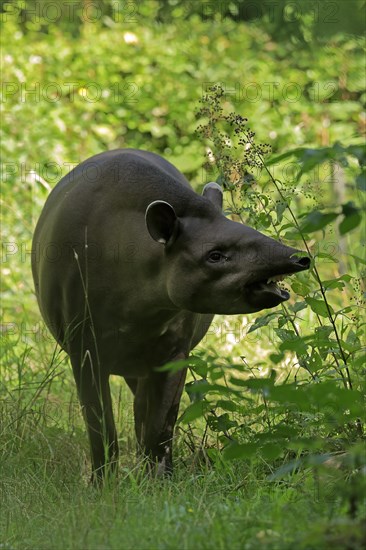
<point x="129" y="176"/>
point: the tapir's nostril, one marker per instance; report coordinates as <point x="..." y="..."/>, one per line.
<point x="304" y="262"/>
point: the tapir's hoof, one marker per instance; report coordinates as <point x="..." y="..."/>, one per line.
<point x="164" y="469"/>
<point x="103" y="475"/>
<point x="159" y="468"/>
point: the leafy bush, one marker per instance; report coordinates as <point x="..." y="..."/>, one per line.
<point x="310" y="398"/>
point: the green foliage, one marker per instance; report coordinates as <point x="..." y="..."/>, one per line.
<point x="323" y="407"/>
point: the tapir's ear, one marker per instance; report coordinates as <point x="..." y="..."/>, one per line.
<point x="161" y="221"/>
<point x="213" y="192"/>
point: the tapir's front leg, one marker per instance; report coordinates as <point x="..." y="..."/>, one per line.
<point x="156" y="409"/>
<point x="95" y="399"/>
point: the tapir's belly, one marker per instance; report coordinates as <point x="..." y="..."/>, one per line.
<point x="133" y="346"/>
<point x="126" y="354"/>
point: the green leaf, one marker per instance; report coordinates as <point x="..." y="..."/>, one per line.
<point x="291" y="394"/>
<point x="306" y="444"/>
<point x="358" y="151"/>
<point x="361" y="181"/>
<point x="197" y="389"/>
<point x="194" y="411"/>
<point x="227" y="405"/>
<point x="319" y="307"/>
<point x="321" y="336"/>
<point x="238" y="381"/>
<point x="312" y="157"/>
<point x="358" y="362"/>
<point x="314" y="362"/>
<point x="341" y="402"/>
<point x="285" y="469"/>
<point x="349" y="222"/>
<point x="236" y="450"/>
<point x="221" y="423"/>
<point x="199" y="366"/>
<point x="285" y="335"/>
<point x="175" y="366"/>
<point x="198" y="386"/>
<point x="254" y="383"/>
<point x="295" y="344"/>
<point x="349" y="208"/>
<point x="300" y="288"/>
<point x="264" y="220"/>
<point x="316" y="220"/>
<point x="293" y="465"/>
<point x="271" y="451"/>
<point x="329" y="257"/>
<point x="298" y="306"/>
<point x="276" y="357"/>
<point x="285" y="431"/>
<point x="337" y="282"/>
<point x="292" y="153"/>
<point x="358" y="259"/>
<point x="221" y="389"/>
<point x="263" y="321"/>
<point x="280" y="208"/>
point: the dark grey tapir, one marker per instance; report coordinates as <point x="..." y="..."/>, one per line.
<point x="130" y="265"/>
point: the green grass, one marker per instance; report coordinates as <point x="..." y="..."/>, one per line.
<point x="46" y="501"/>
<point x="44" y="509"/>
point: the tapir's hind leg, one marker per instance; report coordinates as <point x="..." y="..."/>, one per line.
<point x="139" y="408"/>
<point x="95" y="399"/>
<point x="156" y="408"/>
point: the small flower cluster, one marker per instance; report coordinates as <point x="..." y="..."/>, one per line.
<point x="234" y="148"/>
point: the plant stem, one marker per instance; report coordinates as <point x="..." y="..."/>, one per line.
<point x="316" y="273"/>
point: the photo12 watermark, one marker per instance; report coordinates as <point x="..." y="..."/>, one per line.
<point x="127" y="92"/>
<point x="52" y="11"/>
<point x="290" y="92"/>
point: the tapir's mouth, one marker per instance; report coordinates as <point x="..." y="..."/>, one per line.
<point x="266" y="293"/>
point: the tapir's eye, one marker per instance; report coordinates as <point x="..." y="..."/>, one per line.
<point x="214" y="257"/>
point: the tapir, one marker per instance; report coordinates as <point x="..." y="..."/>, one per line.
<point x="130" y="265"/>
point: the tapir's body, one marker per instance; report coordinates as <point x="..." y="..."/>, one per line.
<point x="130" y="265"/>
<point x="102" y="204"/>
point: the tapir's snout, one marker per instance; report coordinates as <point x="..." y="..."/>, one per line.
<point x="302" y="263"/>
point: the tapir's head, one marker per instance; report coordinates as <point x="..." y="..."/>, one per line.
<point x="215" y="265"/>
